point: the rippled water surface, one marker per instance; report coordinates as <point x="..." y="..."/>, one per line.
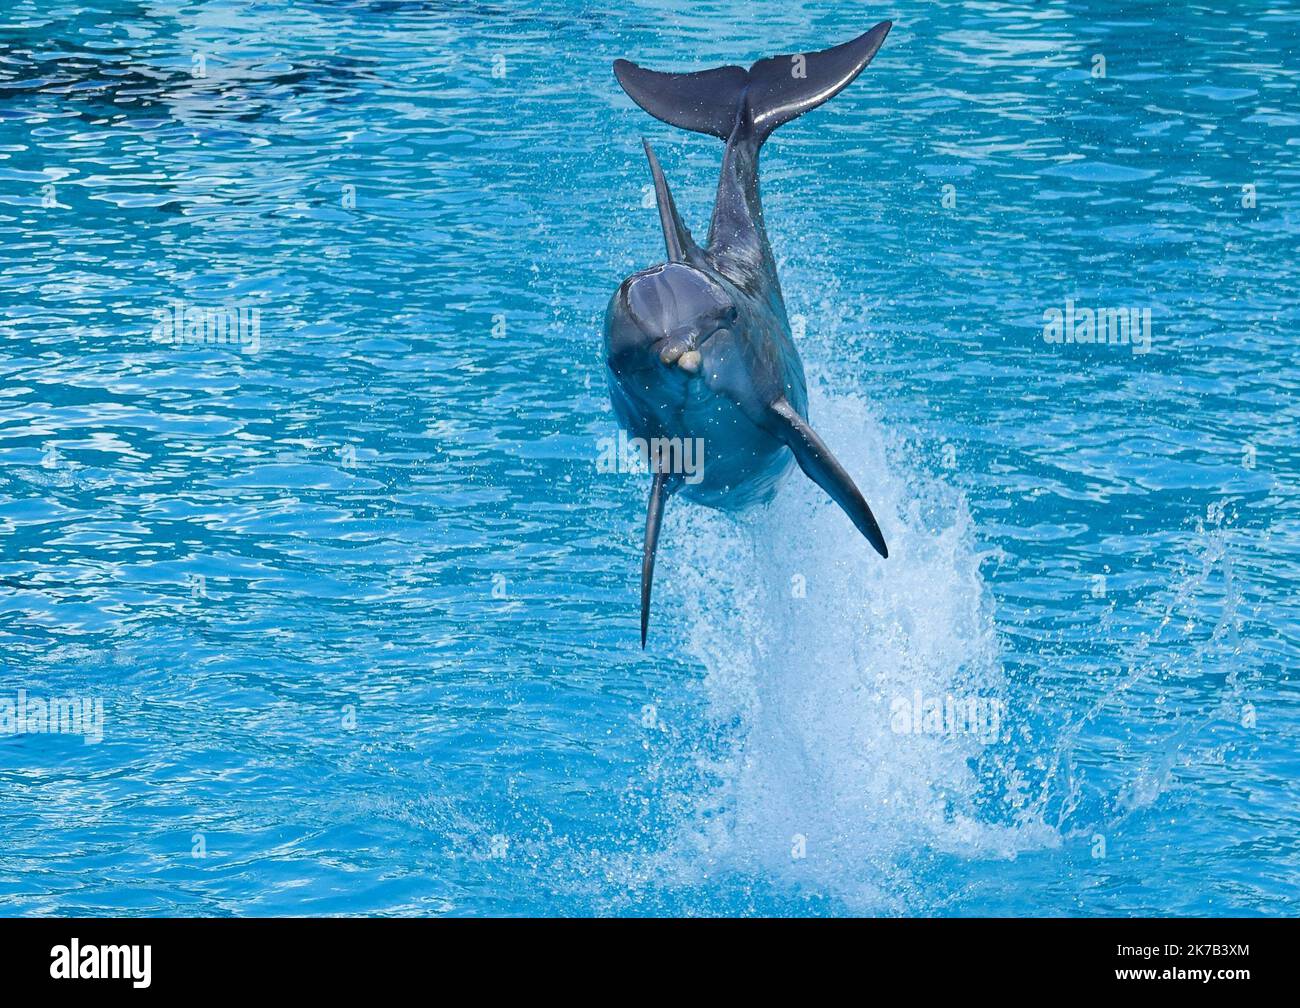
<point x="361" y="609"/>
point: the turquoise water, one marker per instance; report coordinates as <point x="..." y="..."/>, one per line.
<point x="361" y="608"/>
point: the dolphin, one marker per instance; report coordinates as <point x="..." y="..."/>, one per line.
<point x="698" y="349"/>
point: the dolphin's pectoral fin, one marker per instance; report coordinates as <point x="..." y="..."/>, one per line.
<point x="816" y="460"/>
<point x="659" y="491"/>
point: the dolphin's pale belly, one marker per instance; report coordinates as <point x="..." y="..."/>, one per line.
<point x="731" y="463"/>
<point x="739" y="464"/>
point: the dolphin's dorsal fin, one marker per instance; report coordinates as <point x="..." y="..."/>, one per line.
<point x="677" y="239"/>
<point x="816" y="460"/>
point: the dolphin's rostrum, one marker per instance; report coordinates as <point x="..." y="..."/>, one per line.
<point x="700" y="346"/>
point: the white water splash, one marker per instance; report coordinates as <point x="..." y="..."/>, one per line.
<point x="815" y="788"/>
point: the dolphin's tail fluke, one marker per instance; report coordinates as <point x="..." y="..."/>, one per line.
<point x="767" y="95"/>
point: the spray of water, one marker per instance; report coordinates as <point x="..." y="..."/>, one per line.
<point x="815" y="655"/>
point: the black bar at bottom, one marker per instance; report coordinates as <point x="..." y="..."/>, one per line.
<point x="366" y="957"/>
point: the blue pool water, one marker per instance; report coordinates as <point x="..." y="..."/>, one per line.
<point x="361" y="608"/>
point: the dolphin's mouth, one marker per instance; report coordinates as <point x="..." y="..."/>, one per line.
<point x="689" y="362"/>
<point x="683" y="350"/>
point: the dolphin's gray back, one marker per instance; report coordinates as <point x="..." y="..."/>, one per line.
<point x="738" y="247"/>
